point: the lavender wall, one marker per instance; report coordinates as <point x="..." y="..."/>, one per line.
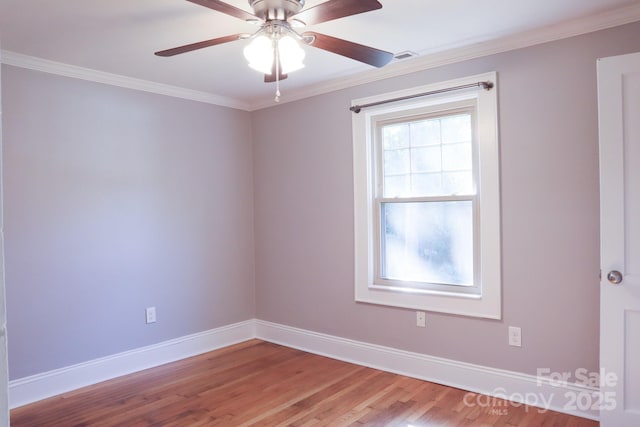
<point x="549" y="168"/>
<point x="116" y="200"/>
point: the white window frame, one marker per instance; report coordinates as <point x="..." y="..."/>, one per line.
<point x="404" y="116"/>
<point x="486" y="301"/>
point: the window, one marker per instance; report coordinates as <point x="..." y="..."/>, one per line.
<point x="427" y="223"/>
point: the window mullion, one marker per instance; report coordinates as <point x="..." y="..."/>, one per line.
<point x="453" y="198"/>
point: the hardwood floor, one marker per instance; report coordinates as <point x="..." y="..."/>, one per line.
<point x="262" y="384"/>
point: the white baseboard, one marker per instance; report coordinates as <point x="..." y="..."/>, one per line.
<point x="519" y="388"/>
<point x="569" y="398"/>
<point x="41" y="386"/>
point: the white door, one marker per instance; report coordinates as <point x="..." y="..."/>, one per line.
<point x="619" y="121"/>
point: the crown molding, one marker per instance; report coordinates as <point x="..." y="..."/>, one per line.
<point x="470" y="49"/>
<point x="61" y="69"/>
<point x="489" y="44"/>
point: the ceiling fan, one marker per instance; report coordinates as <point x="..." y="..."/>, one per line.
<point x="274" y="49"/>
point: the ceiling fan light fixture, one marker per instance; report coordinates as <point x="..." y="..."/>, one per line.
<point x="291" y="54"/>
<point x="262" y="51"/>
<point x="259" y="53"/>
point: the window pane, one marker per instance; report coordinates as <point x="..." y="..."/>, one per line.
<point x="459" y="183"/>
<point x="456" y="128"/>
<point x="457" y="157"/>
<point x="395" y="136"/>
<point x="428" y="242"/>
<point x="397" y="162"/>
<point x="397" y="186"/>
<point x="426" y="159"/>
<point x="427" y="184"/>
<point x="439" y="145"/>
<point x="425" y="132"/>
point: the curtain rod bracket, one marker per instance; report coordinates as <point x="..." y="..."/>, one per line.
<point x="488" y="85"/>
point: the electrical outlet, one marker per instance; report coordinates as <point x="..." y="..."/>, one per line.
<point x="150" y="313"/>
<point x="421" y="320"/>
<point x="515" y="336"/>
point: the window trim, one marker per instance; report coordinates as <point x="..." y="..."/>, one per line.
<point x="488" y="303"/>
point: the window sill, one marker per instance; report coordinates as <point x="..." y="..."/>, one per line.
<point x="484" y="306"/>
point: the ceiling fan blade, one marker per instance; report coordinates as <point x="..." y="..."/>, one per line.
<point x="226" y="9"/>
<point x="334" y="9"/>
<point x="199" y="45"/>
<point x="368" y="55"/>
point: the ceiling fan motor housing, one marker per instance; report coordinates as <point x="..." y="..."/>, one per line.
<point x="276" y="9"/>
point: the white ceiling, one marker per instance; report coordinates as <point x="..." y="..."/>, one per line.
<point x="120" y="37"/>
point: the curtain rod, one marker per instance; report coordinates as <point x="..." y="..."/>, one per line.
<point x="485" y="85"/>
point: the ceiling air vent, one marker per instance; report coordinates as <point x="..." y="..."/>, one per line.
<point x="404" y="55"/>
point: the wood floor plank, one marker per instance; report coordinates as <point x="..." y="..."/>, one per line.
<point x="257" y="383"/>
